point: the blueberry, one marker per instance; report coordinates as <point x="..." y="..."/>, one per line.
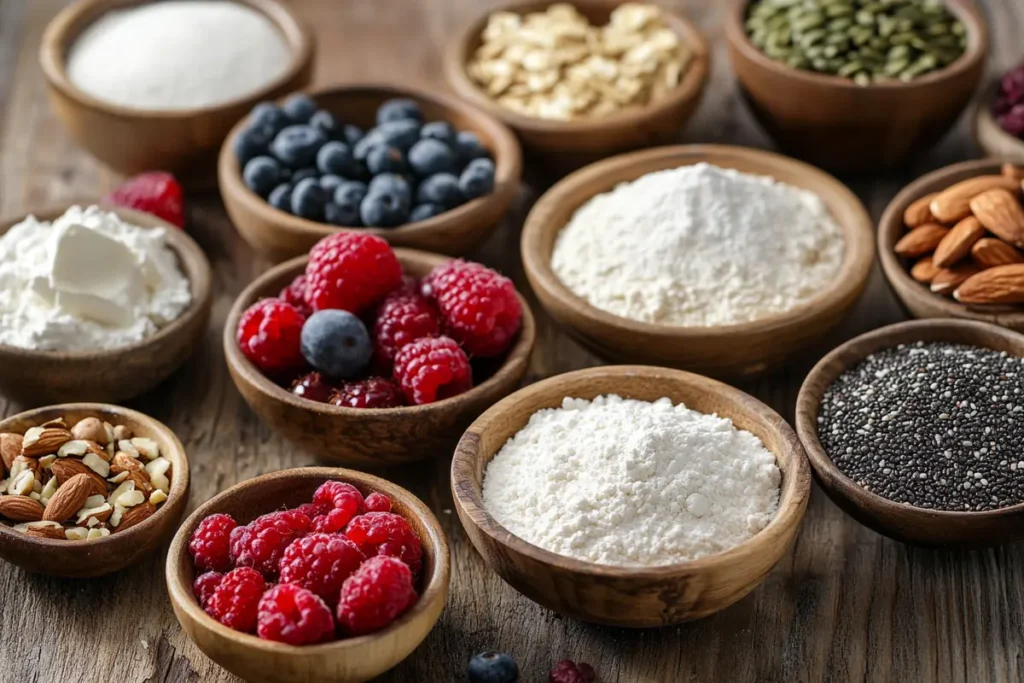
<point x="281" y="197"/>
<point x="303" y="173"/>
<point x="384" y="209"/>
<point x="308" y="199"/>
<point x="430" y="156"/>
<point x="393" y="184"/>
<point x="350" y="192"/>
<point x="440" y="188"/>
<point x="297" y="146"/>
<point x="441" y="131"/>
<point x="261" y="175"/>
<point x="268" y="114"/>
<point x="299" y="108"/>
<point x="336" y="343"/>
<point x="478" y="178"/>
<point x="336" y="157"/>
<point x="346" y="215"/>
<point x="400" y="134"/>
<point x="398" y="110"/>
<point x="351" y="134"/>
<point x="252" y="142"/>
<point x="469" y="147"/>
<point x="491" y="667"/>
<point x="383" y="159"/>
<point x="325" y="122"/>
<point x="422" y="212"/>
<point x="330" y="182"/>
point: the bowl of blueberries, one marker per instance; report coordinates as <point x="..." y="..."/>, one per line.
<point x="419" y="170"/>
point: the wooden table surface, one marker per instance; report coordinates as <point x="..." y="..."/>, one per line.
<point x="845" y="604"/>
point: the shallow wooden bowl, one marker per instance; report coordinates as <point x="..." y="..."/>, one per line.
<point x="343" y="661"/>
<point x="280" y="235"/>
<point x="130" y="140"/>
<point x="378" y="437"/>
<point x="896" y="520"/>
<point x="835" y="123"/>
<point x="919" y="301"/>
<point x="39" y="377"/>
<point x="739" y="350"/>
<point x="562" y="146"/>
<point x="87" y="559"/>
<point x="989" y="135"/>
<point x="630" y="596"/>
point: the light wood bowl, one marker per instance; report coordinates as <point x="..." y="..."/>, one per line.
<point x="896" y="520"/>
<point x="834" y="123"/>
<point x="740" y="350"/>
<point x="630" y="596"/>
<point x="919" y="301"/>
<point x="39" y="377"/>
<point x="280" y="235"/>
<point x="369" y="437"/>
<point x="989" y="135"/>
<point x="87" y="559"/>
<point x="185" y="141"/>
<point x="562" y="146"/>
<point x="342" y="661"/>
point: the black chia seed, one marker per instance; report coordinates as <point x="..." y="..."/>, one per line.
<point x="935" y="425"/>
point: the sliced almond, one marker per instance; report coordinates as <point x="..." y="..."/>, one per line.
<point x="157" y="471"/>
<point x="990" y="252"/>
<point x="999" y="285"/>
<point x="96" y="464"/>
<point x="919" y="212"/>
<point x="20" y="509"/>
<point x="23" y="484"/>
<point x="69" y="498"/>
<point x="924" y="270"/>
<point x="958" y="242"/>
<point x="118" y="478"/>
<point x="132" y="516"/>
<point x="122" y="433"/>
<point x="74" y="447"/>
<point x="100" y="513"/>
<point x="148" y="448"/>
<point x="921" y="240"/>
<point x="130" y="499"/>
<point x="948" y="279"/>
<point x="45" y="530"/>
<point x="1000" y="211"/>
<point x="10" y="448"/>
<point x="48" y="490"/>
<point x="76" y="533"/>
<point x="47" y="440"/>
<point x="97" y="533"/>
<point x="157" y="497"/>
<point x="954" y="203"/>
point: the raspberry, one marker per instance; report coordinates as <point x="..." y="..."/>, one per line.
<point x="432" y="369"/>
<point x="156" y="193"/>
<point x="377" y="594"/>
<point x="377" y="502"/>
<point x="204" y="586"/>
<point x="350" y="271"/>
<point x="479" y="306"/>
<point x="313" y="386"/>
<point x="332" y="522"/>
<point x="568" y="671"/>
<point x="375" y="392"/>
<point x="384" y="533"/>
<point x="337" y="495"/>
<point x="291" y="614"/>
<point x="401" y="320"/>
<point x="321" y="563"/>
<point x="235" y="600"/>
<point x="295" y="294"/>
<point x="268" y="335"/>
<point x="209" y="545"/>
<point x="265" y="539"/>
<point x="308" y="509"/>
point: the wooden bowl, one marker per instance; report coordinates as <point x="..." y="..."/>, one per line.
<point x="280" y="235"/>
<point x="989" y="135"/>
<point x="896" y="520"/>
<point x="562" y="146"/>
<point x="630" y="596"/>
<point x="919" y="301"/>
<point x="740" y="350"/>
<point x="364" y="437"/>
<point x="87" y="559"/>
<point x="39" y="377"/>
<point x="184" y="141"/>
<point x="834" y="123"/>
<point x="342" y="661"/>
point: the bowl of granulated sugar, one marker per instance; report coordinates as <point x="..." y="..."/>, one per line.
<point x="158" y="85"/>
<point x="631" y="495"/>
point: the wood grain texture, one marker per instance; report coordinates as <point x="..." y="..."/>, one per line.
<point x="846" y="604"/>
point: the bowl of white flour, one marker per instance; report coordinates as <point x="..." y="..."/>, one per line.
<point x="631" y="495"/>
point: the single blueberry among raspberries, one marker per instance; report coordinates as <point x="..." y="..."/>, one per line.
<point x="336" y="343"/>
<point x="309" y="199"/>
<point x="297" y="146"/>
<point x="350" y="192"/>
<point x="430" y="156"/>
<point x="469" y="146"/>
<point x="346" y="215"/>
<point x="252" y="142"/>
<point x="422" y="212"/>
<point x="383" y="159"/>
<point x="261" y="175"/>
<point x="325" y="122"/>
<point x="392" y="183"/>
<point x="330" y="182"/>
<point x="299" y="108"/>
<point x="336" y="157"/>
<point x="400" y="134"/>
<point x="399" y="109"/>
<point x="440" y="188"/>
<point x="303" y="173"/>
<point x="478" y="178"/>
<point x="383" y="209"/>
<point x="351" y="134"/>
<point x="268" y="114"/>
<point x="441" y="131"/>
<point x="281" y="197"/>
<point x="492" y="667"/>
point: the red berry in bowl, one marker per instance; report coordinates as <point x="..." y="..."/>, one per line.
<point x="262" y="543"/>
<point x="402" y="320"/>
<point x="235" y="600"/>
<point x="479" y="306"/>
<point x="338" y="495"/>
<point x="269" y="335"/>
<point x="204" y="586"/>
<point x="375" y="392"/>
<point x="155" y="193"/>
<point x="295" y="294"/>
<point x="350" y="271"/>
<point x="377" y="502"/>
<point x="379" y="592"/>
<point x="294" y="615"/>
<point x="385" y="533"/>
<point x="314" y="387"/>
<point x="320" y="563"/>
<point x="210" y="543"/>
<point x="432" y="369"/>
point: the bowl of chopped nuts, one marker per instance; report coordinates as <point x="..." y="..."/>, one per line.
<point x="581" y="82"/>
<point x="88" y="488"/>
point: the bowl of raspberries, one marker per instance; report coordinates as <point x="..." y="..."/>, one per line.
<point x="368" y="355"/>
<point x="999" y="117"/>
<point x="421" y="170"/>
<point x="328" y="574"/>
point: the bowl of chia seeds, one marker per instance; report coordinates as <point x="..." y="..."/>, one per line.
<point x="915" y="429"/>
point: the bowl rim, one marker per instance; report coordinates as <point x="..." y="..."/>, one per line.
<point x="791" y="509"/>
<point x="983" y="117"/>
<point x="178" y="241"/>
<point x="807" y="404"/>
<point x="853" y="272"/>
<point x="179" y="475"/>
<point x="690" y="87"/>
<point x="518" y="354"/>
<point x="508" y="165"/>
<point x="964" y="10"/>
<point x="437" y="586"/>
<point x="56" y="43"/>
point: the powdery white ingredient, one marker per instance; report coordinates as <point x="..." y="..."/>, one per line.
<point x="624" y="482"/>
<point x="177" y="54"/>
<point x="699" y="245"/>
<point x="33" y="316"/>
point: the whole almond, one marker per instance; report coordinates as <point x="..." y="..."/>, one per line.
<point x="924" y="270"/>
<point x="135" y="515"/>
<point x="66" y="468"/>
<point x="999" y="285"/>
<point x="20" y="509"/>
<point x="990" y="252"/>
<point x="958" y="242"/>
<point x="46" y="530"/>
<point x="920" y="240"/>
<point x="48" y="441"/>
<point x="1000" y="211"/>
<point x="954" y="203"/>
<point x="69" y="498"/>
<point x="948" y="279"/>
<point x="919" y="211"/>
<point x="10" y="448"/>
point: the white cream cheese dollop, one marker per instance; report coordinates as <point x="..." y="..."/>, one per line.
<point x="86" y="281"/>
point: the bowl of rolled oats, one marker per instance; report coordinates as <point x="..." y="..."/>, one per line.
<point x="578" y="82"/>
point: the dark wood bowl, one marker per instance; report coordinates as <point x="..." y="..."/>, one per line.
<point x="630" y="596"/>
<point x="280" y="235"/>
<point x="834" y="123"/>
<point x="87" y="559"/>
<point x="896" y="520"/>
<point x="370" y="437"/>
<point x="184" y="142"/>
<point x="919" y="301"/>
<point x="740" y="350"/>
<point x="342" y="661"/>
<point x="40" y="377"/>
<point x="558" y="147"/>
<point x="989" y="135"/>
